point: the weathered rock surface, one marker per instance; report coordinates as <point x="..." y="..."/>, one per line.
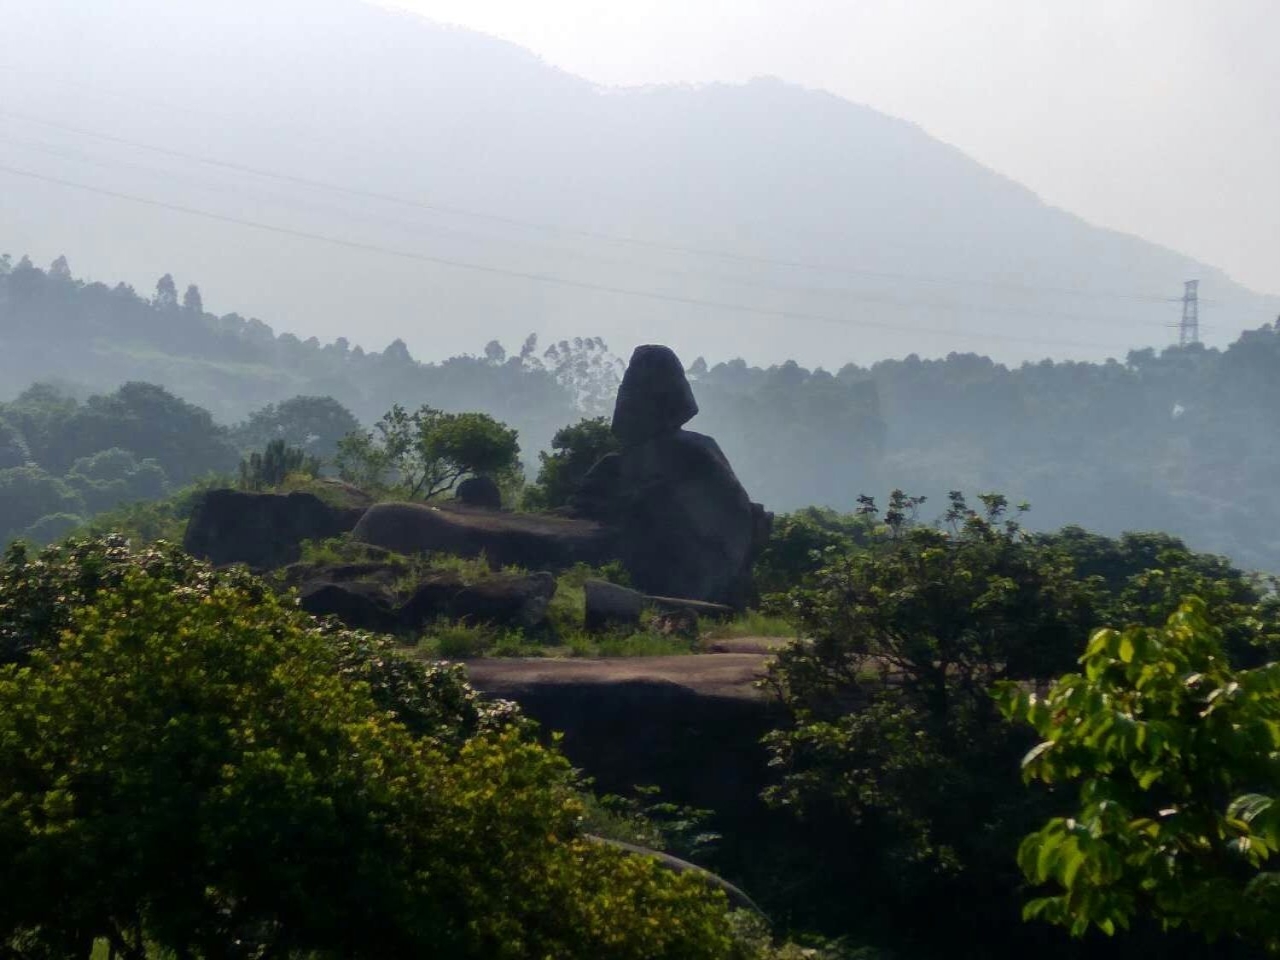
<point x="686" y="527"/>
<point x="689" y="724"/>
<point x="533" y="541"/>
<point x="506" y="600"/>
<point x="359" y="605"/>
<point x="263" y="530"/>
<point x="480" y="492"/>
<point x="609" y="604"/>
<point x="654" y="397"/>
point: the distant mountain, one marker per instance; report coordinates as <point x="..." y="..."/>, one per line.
<point x="839" y="233"/>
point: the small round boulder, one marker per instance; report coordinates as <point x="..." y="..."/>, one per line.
<point x="654" y="398"/>
<point x="479" y="492"/>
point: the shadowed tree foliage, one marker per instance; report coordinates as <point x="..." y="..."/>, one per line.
<point x="425" y="453"/>
<point x="575" y="449"/>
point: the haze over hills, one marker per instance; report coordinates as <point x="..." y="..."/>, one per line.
<point x="829" y="232"/>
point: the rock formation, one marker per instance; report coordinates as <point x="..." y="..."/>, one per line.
<point x="263" y="530"/>
<point x="686" y="527"/>
<point x="479" y="492"/>
<point x="532" y="541"/>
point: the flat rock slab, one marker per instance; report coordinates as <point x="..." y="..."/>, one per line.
<point x="534" y="541"/>
<point x="725" y="675"/>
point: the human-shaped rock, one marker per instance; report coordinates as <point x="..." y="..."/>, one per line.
<point x="686" y="527"/>
<point x="654" y="397"/>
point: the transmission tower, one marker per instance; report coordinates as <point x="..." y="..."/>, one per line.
<point x="1189" y="328"/>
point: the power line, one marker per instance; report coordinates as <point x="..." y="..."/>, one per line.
<point x="76" y="155"/>
<point x="573" y="231"/>
<point x="535" y="277"/>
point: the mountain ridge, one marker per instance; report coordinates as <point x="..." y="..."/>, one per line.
<point x="922" y="249"/>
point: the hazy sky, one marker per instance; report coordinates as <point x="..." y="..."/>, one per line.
<point x="1156" y="117"/>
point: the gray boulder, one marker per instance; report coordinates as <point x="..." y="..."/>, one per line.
<point x="608" y="604"/>
<point x="359" y="605"/>
<point x="654" y="397"/>
<point x="263" y="530"/>
<point x="532" y="541"/>
<point x="686" y="526"/>
<point x="480" y="492"/>
<point x="506" y="600"/>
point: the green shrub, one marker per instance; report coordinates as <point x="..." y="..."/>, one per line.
<point x="190" y="763"/>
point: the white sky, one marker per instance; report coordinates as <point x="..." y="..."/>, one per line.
<point x="1155" y="117"/>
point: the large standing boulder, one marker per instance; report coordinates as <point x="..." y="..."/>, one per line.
<point x="654" y="397"/>
<point x="263" y="530"/>
<point x="686" y="527"/>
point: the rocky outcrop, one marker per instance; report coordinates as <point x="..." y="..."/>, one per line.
<point x="686" y="526"/>
<point x="360" y="605"/>
<point x="691" y="725"/>
<point x="532" y="541"/>
<point x="506" y="600"/>
<point x="263" y="530"/>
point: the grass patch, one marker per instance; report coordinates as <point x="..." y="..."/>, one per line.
<point x="752" y="623"/>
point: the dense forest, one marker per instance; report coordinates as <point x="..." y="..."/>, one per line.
<point x="1175" y="441"/>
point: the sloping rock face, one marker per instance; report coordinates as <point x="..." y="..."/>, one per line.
<point x="533" y="541"/>
<point x="686" y="526"/>
<point x="263" y="530"/>
<point x="691" y="725"/>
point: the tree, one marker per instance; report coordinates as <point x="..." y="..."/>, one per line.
<point x="575" y="450"/>
<point x="893" y="755"/>
<point x="29" y="493"/>
<point x="425" y="453"/>
<point x="60" y="270"/>
<point x="312" y="424"/>
<point x="193" y="766"/>
<point x="14" y="451"/>
<point x="1178" y="812"/>
<point x="166" y="297"/>
<point x="149" y="422"/>
<point x="112" y="477"/>
<point x="269" y="469"/>
<point x="585" y="367"/>
<point x="192" y="302"/>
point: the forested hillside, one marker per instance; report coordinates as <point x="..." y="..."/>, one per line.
<point x="465" y="185"/>
<point x="1181" y="441"/>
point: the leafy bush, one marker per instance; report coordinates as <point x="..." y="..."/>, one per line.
<point x="192" y="765"/>
<point x="425" y="453"/>
<point x="269" y="469"/>
<point x="575" y="450"/>
<point x="1179" y="802"/>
